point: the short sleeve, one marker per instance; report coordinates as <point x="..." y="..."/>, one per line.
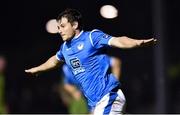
<point x="59" y="54"/>
<point x="99" y="39"/>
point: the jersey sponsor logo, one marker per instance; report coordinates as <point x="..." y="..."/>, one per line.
<point x="76" y="65"/>
<point x="80" y="70"/>
<point x="80" y="46"/>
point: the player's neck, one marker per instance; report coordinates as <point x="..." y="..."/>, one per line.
<point x="77" y="33"/>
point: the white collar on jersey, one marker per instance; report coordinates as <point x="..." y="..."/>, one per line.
<point x="78" y="35"/>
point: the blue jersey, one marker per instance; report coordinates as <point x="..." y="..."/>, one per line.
<point x="85" y="55"/>
<point x="69" y="77"/>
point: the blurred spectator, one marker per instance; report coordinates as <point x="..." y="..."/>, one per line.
<point x="116" y="67"/>
<point x="71" y="94"/>
<point x="3" y="106"/>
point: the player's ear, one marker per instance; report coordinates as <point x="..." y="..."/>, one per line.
<point x="75" y="25"/>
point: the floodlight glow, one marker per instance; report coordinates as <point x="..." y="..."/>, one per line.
<point x="51" y="26"/>
<point x="108" y="11"/>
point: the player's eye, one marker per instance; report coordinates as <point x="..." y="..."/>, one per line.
<point x="62" y="26"/>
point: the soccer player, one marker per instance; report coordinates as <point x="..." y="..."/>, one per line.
<point x="85" y="54"/>
<point x="115" y="65"/>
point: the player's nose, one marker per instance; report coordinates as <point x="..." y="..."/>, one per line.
<point x="60" y="32"/>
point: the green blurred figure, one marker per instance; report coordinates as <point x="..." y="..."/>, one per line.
<point x="71" y="94"/>
<point x="3" y="109"/>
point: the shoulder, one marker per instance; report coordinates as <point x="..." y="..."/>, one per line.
<point x="95" y="31"/>
<point x="92" y="31"/>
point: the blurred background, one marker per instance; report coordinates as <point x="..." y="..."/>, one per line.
<point x="150" y="76"/>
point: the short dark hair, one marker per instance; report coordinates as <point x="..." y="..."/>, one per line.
<point x="72" y="15"/>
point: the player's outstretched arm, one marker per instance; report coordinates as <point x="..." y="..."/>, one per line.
<point x="126" y="42"/>
<point x="51" y="63"/>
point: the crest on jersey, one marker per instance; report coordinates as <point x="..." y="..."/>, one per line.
<point x="106" y="36"/>
<point x="80" y="46"/>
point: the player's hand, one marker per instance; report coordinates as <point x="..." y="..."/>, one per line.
<point x="149" y="42"/>
<point x="77" y="95"/>
<point x="32" y="71"/>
